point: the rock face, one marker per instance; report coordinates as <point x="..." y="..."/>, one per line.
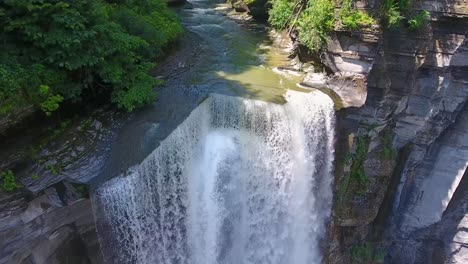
<point x="54" y="227"/>
<point x="50" y="219"/>
<point x="432" y="219"/>
<point x="258" y="9"/>
<point x="399" y="196"/>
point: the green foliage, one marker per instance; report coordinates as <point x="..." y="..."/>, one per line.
<point x="35" y="176"/>
<point x="53" y="168"/>
<point x="316" y="23"/>
<point x="418" y="21"/>
<point x="404" y="5"/>
<point x="82" y="189"/>
<point x="357" y="181"/>
<point x="140" y="93"/>
<point x="151" y="21"/>
<point x="358" y="173"/>
<point x="51" y="104"/>
<point x="81" y="47"/>
<point x="353" y="19"/>
<point x="391" y="13"/>
<point x="366" y="253"/>
<point x="388" y="152"/>
<point x="357" y="19"/>
<point x="396" y="10"/>
<point x="281" y="13"/>
<point x="9" y="181"/>
<point x="20" y="85"/>
<point x="362" y="254"/>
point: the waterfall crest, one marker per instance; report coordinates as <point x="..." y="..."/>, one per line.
<point x="239" y="181"/>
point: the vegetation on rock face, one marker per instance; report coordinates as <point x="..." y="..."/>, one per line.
<point x="391" y="13"/>
<point x="281" y="13"/>
<point x="418" y="21"/>
<point x="316" y="23"/>
<point x="357" y="180"/>
<point x="9" y="181"/>
<point x="314" y="20"/>
<point x="394" y="11"/>
<point x="388" y="152"/>
<point x="366" y="253"/>
<point x="60" y="50"/>
<point x="353" y="19"/>
<point x="358" y="172"/>
<point x="82" y="189"/>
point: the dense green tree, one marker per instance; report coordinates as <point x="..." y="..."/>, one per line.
<point x="313" y="20"/>
<point x="281" y="13"/>
<point x="55" y="50"/>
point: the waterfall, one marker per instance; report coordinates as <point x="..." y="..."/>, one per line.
<point x="239" y="181"/>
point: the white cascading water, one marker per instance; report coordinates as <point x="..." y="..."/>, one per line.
<point x="239" y="181"/>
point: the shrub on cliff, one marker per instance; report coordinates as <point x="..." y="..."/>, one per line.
<point x="81" y="47"/>
<point x="9" y="181"/>
<point x="316" y="23"/>
<point x="419" y="20"/>
<point x="353" y="19"/>
<point x="391" y="12"/>
<point x="281" y="13"/>
<point x="314" y="20"/>
<point x="394" y="11"/>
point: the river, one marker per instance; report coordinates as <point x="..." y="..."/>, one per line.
<point x="232" y="164"/>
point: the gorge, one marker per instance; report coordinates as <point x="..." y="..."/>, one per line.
<point x="259" y="149"/>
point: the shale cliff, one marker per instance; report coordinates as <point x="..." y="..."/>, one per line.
<point x="401" y="156"/>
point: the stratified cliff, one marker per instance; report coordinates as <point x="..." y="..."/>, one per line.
<point x="401" y="157"/>
<point x="56" y="226"/>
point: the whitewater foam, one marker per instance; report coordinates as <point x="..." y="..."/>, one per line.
<point x="239" y="181"/>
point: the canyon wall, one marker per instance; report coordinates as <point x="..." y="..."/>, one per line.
<point x="56" y="226"/>
<point x="397" y="200"/>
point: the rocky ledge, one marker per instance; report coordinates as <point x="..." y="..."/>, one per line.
<point x="56" y="226"/>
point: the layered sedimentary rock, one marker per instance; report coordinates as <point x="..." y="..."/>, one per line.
<point x="56" y="226"/>
<point x="49" y="219"/>
<point x="413" y="129"/>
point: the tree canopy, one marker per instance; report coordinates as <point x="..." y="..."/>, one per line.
<point x="56" y="50"/>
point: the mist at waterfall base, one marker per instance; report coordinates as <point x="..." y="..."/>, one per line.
<point x="239" y="181"/>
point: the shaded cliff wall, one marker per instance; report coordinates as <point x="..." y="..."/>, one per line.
<point x="49" y="219"/>
<point x="413" y="130"/>
<point x="56" y="226"/>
